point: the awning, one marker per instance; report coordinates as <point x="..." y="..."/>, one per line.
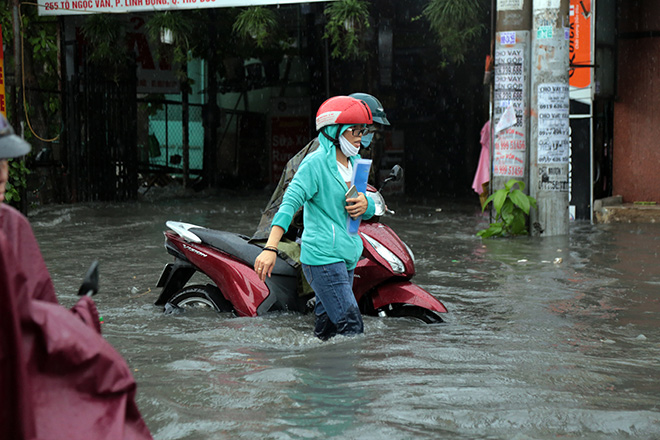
<point x="75" y="7"/>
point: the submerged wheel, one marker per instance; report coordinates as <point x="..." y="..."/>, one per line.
<point x="409" y="311"/>
<point x="199" y="296"/>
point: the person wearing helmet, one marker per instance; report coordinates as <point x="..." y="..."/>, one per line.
<point x="14" y="224"/>
<point x="373" y="151"/>
<point x="329" y="253"/>
<point x="378" y="113"/>
<point x="379" y="118"/>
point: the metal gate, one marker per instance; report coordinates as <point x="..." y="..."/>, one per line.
<point x="101" y="136"/>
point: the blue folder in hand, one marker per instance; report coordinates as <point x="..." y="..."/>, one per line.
<point x="360" y="176"/>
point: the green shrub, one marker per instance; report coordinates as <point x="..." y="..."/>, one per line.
<point x="18" y="173"/>
<point x="511" y="210"/>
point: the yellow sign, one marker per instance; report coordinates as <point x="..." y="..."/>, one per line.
<point x="3" y="105"/>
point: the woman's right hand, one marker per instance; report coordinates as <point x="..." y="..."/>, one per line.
<point x="264" y="264"/>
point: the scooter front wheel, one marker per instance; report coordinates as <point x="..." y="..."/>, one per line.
<point x="199" y="296"/>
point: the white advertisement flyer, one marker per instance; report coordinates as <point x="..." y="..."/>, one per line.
<point x="546" y="4"/>
<point x="553" y="123"/>
<point x="509" y="5"/>
<point x="509" y="116"/>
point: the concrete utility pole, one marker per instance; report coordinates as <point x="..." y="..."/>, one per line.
<point x="510" y="113"/>
<point x="549" y="121"/>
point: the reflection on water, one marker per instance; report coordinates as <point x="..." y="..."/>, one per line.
<point x="545" y="338"/>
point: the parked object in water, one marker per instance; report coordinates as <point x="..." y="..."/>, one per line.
<point x="382" y="282"/>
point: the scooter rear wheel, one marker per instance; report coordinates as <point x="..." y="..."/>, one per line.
<point x="200" y="296"/>
<point x="411" y="311"/>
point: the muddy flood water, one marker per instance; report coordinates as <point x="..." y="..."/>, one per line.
<point x="544" y="339"/>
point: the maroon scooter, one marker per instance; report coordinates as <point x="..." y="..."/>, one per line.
<point x="382" y="282"/>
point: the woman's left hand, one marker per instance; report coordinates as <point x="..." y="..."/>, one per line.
<point x="264" y="263"/>
<point x="357" y="206"/>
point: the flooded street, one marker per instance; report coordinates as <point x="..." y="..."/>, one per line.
<point x="545" y="338"/>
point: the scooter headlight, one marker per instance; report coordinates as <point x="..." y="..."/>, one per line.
<point x="410" y="252"/>
<point x="395" y="263"/>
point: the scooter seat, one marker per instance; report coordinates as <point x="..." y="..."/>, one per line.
<point x="237" y="246"/>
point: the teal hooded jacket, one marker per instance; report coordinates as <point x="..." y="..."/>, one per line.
<point x="319" y="188"/>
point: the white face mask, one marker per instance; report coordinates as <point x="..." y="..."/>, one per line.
<point x="347" y="148"/>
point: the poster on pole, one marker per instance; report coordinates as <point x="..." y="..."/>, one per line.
<point x="546" y="4"/>
<point x="553" y="137"/>
<point x="553" y="123"/>
<point x="510" y="5"/>
<point x="579" y="49"/>
<point x="509" y="144"/>
<point x="75" y="7"/>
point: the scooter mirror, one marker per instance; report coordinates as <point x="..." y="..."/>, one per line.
<point x="396" y="173"/>
<point x="90" y="283"/>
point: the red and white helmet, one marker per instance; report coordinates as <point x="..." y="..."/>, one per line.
<point x="343" y="110"/>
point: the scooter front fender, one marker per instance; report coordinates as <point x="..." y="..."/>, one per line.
<point x="405" y="292"/>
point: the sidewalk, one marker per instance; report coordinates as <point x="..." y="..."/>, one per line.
<point x="613" y="210"/>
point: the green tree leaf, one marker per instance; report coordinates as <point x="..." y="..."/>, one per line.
<point x="487" y="201"/>
<point x="521" y="200"/>
<point x="517" y="225"/>
<point x="498" y="200"/>
<point x="493" y="229"/>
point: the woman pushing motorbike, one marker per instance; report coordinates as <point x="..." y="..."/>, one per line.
<point x="329" y="253"/>
<point x="374" y="152"/>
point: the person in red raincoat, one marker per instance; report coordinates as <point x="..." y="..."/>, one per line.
<point x="59" y="378"/>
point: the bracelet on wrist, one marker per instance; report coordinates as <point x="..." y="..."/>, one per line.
<point x="272" y="249"/>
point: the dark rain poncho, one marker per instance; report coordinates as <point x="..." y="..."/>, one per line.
<point x="60" y="378"/>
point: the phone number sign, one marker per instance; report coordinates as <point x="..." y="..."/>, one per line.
<point x="553" y="123"/>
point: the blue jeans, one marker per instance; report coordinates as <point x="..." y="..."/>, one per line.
<point x="336" y="309"/>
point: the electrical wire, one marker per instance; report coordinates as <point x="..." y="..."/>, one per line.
<point x="25" y="108"/>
